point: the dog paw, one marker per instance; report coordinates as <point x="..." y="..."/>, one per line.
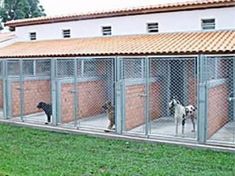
<point x="107" y="131"/>
<point x="193" y="131"/>
<point x="46" y="123"/>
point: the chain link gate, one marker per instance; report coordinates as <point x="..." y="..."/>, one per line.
<point x="134" y="95"/>
<point x="173" y="79"/>
<point x="14" y="86"/>
<point x="220" y="87"/>
<point x="85" y="87"/>
<point x="28" y="84"/>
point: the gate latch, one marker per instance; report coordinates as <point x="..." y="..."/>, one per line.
<point x="72" y="91"/>
<point x="142" y="95"/>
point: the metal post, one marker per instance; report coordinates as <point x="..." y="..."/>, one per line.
<point x="147" y="98"/>
<point x="53" y="92"/>
<point x="118" y="97"/>
<point x="202" y="99"/>
<point x="5" y="90"/>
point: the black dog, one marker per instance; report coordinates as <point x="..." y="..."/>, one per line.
<point x="47" y="108"/>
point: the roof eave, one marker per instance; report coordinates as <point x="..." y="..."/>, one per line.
<point x="163" y="9"/>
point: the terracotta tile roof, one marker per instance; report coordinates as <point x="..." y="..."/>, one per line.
<point x="6" y="36"/>
<point x="169" y="7"/>
<point x="162" y="43"/>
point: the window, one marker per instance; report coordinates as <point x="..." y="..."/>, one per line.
<point x="65" y="68"/>
<point x="133" y="68"/>
<point x="208" y="24"/>
<point x="66" y="33"/>
<point x="152" y="27"/>
<point x="106" y="30"/>
<point x="33" y="36"/>
<point x="43" y="67"/>
<point x="28" y="68"/>
<point x="90" y="68"/>
<point x="13" y="68"/>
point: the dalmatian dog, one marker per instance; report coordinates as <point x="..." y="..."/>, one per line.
<point x="181" y="113"/>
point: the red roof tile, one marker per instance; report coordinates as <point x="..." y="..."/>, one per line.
<point x="162" y="43"/>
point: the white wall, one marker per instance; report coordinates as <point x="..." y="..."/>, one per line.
<point x="126" y="25"/>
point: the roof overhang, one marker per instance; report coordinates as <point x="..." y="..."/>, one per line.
<point x="217" y="42"/>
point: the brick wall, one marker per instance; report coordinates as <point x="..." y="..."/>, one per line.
<point x="91" y="96"/>
<point x="192" y="82"/>
<point x="192" y="91"/>
<point x="155" y="100"/>
<point x="134" y="106"/>
<point x="1" y="94"/>
<point x="217" y="108"/>
<point x="34" y="92"/>
<point x="67" y="102"/>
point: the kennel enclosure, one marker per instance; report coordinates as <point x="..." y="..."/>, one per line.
<point x="137" y="74"/>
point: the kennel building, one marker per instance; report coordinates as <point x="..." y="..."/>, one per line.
<point x="137" y="73"/>
<point x="139" y="83"/>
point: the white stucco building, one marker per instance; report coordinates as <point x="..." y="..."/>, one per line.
<point x="178" y="17"/>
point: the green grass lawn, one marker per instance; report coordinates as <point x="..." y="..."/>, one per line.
<point x="26" y="151"/>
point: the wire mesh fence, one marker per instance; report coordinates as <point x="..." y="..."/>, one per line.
<point x="135" y="93"/>
<point x="173" y="88"/>
<point x="148" y="90"/>
<point x="220" y="82"/>
<point x="152" y="90"/>
<point x="29" y="91"/>
<point x="86" y="88"/>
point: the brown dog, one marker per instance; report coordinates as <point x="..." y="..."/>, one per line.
<point x="110" y="112"/>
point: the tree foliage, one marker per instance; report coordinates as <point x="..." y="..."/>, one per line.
<point x="19" y="9"/>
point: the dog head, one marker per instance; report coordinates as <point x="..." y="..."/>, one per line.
<point x="41" y="105"/>
<point x="173" y="103"/>
<point x="107" y="105"/>
<point x="190" y="109"/>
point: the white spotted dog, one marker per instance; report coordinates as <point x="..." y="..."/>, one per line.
<point x="190" y="113"/>
<point x="179" y="114"/>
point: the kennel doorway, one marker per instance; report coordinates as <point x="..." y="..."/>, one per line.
<point x="171" y="77"/>
<point x="220" y="81"/>
<point x="133" y="81"/>
<point x="84" y="85"/>
<point x="28" y="83"/>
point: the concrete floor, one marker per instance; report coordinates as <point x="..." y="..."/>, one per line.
<point x="98" y="122"/>
<point x="165" y="126"/>
<point x="36" y="118"/>
<point x="225" y="134"/>
<point x="1" y="113"/>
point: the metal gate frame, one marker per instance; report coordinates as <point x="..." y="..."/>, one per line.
<point x="120" y="95"/>
<point x="74" y="81"/>
<point x="204" y="96"/>
<point x="21" y="79"/>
